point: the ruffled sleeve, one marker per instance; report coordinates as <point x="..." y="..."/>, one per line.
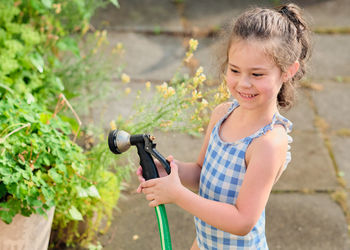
<point x="288" y="125"/>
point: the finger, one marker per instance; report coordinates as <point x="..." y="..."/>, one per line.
<point x="141" y="179"/>
<point x="149" y="183"/>
<point x="170" y="158"/>
<point x="174" y="168"/>
<point x="139" y="171"/>
<point x="153" y="203"/>
<point x="146" y="190"/>
<point x="150" y="197"/>
<point x="139" y="189"/>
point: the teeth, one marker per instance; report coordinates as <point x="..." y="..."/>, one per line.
<point x="247" y="95"/>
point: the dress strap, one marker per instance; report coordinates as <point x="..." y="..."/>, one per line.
<point x="277" y="119"/>
<point x="232" y="107"/>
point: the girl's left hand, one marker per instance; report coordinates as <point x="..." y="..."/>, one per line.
<point x="162" y="190"/>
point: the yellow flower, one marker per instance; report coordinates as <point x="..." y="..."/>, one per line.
<point x="57" y="8"/>
<point x="204" y="103"/>
<point x="196" y="95"/>
<point x="102" y="38"/>
<point x="118" y="48"/>
<point x="200" y="130"/>
<point x="127" y="91"/>
<point x="86" y="28"/>
<point x="188" y="56"/>
<point x="125" y="78"/>
<point x="170" y="92"/>
<point x="202" y="78"/>
<point x="112" y="125"/>
<point x="148" y="85"/>
<point x="162" y="88"/>
<point x="193" y="44"/>
<point x="166" y="124"/>
<point x="199" y="71"/>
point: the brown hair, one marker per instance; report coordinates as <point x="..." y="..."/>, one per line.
<point x="289" y="36"/>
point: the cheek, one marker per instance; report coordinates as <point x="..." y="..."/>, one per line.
<point x="231" y="79"/>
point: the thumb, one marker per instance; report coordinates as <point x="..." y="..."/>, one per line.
<point x="174" y="168"/>
<point x="170" y="158"/>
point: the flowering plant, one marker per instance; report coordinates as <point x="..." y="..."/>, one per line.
<point x="182" y="104"/>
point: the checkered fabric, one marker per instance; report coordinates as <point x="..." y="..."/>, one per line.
<point x="221" y="178"/>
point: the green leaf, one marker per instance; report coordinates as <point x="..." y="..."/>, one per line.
<point x="75" y="214"/>
<point x="30" y="98"/>
<point x="58" y="83"/>
<point x="115" y="2"/>
<point x="68" y="43"/>
<point x="3" y="190"/>
<point x="73" y="122"/>
<point x="45" y="117"/>
<point x="6" y="216"/>
<point x="6" y="88"/>
<point x="93" y="192"/>
<point x="82" y="193"/>
<point x="47" y="3"/>
<point x="55" y="176"/>
<point x="38" y="61"/>
<point x="46" y="160"/>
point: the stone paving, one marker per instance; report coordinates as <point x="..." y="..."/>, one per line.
<point x="302" y="212"/>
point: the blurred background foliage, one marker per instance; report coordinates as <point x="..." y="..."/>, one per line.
<point x="51" y="59"/>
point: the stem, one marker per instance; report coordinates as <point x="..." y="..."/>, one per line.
<point x="59" y="106"/>
<point x="14" y="131"/>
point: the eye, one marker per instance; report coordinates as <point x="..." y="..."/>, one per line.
<point x="257" y="75"/>
<point x="234" y="71"/>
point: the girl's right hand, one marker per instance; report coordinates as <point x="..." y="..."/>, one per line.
<point x="160" y="168"/>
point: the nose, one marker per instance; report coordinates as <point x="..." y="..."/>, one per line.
<point x="244" y="82"/>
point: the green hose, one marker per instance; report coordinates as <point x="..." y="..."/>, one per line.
<point x="163" y="227"/>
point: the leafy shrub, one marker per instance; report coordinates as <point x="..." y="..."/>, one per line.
<point x="40" y="164"/>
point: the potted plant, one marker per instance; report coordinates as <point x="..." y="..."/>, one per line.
<point x="39" y="165"/>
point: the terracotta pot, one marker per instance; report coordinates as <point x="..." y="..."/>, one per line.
<point x="26" y="233"/>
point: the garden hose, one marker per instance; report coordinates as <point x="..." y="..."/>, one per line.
<point x="119" y="141"/>
<point x="164" y="233"/>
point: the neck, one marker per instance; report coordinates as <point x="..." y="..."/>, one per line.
<point x="262" y="114"/>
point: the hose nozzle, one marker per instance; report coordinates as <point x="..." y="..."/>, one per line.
<point x="119" y="141"/>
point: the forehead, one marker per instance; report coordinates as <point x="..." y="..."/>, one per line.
<point x="250" y="54"/>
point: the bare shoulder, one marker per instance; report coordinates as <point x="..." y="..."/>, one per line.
<point x="273" y="142"/>
<point x="220" y="110"/>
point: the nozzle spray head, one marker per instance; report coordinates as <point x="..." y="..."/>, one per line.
<point x="119" y="141"/>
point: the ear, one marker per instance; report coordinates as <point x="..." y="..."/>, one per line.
<point x="291" y="71"/>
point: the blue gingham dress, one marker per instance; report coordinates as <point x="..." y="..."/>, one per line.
<point x="220" y="180"/>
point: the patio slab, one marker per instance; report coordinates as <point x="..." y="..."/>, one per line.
<point x="147" y="15"/>
<point x="333" y="104"/>
<point x="341" y="146"/>
<point x="305" y="222"/>
<point x="150" y="57"/>
<point x="330" y="56"/>
<point x="311" y="167"/>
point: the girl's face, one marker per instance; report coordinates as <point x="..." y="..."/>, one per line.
<point x="252" y="76"/>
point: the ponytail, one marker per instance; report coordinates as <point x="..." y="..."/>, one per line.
<point x="293" y="13"/>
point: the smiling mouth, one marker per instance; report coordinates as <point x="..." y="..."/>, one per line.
<point x="244" y="95"/>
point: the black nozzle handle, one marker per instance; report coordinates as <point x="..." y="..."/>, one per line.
<point x="165" y="163"/>
<point x="149" y="169"/>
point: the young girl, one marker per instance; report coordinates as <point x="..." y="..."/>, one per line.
<point x="245" y="149"/>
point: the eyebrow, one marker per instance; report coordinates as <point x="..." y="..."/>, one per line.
<point x="255" y="68"/>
